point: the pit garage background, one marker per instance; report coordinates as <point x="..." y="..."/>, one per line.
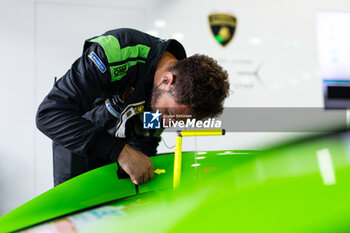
<point x="272" y="61"/>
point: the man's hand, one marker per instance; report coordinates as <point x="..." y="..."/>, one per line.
<point x="136" y="164"/>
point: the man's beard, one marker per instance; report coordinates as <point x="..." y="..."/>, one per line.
<point x="156" y="93"/>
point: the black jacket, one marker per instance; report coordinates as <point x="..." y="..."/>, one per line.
<point x="94" y="109"/>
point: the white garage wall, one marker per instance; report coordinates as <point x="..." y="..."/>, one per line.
<point x="41" y="39"/>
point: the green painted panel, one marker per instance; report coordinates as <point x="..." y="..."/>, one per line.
<point x="102" y="185"/>
<point x="89" y="189"/>
<point x="298" y="187"/>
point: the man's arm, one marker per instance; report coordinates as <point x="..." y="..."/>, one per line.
<point x="148" y="145"/>
<point x="60" y="117"/>
<point x="60" y="114"/>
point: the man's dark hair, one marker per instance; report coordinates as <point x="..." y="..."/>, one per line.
<point x="200" y="83"/>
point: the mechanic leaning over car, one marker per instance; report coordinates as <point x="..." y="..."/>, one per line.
<point x="93" y="114"/>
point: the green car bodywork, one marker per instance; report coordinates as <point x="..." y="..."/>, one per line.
<point x="302" y="186"/>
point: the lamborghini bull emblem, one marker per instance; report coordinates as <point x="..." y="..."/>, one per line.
<point x="223" y="27"/>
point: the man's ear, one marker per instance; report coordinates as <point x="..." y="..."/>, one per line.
<point x="168" y="78"/>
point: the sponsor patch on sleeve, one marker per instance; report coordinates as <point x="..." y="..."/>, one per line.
<point x="95" y="59"/>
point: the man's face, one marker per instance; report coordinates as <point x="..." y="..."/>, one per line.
<point x="163" y="101"/>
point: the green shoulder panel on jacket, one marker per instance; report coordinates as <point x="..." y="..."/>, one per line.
<point x="121" y="59"/>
